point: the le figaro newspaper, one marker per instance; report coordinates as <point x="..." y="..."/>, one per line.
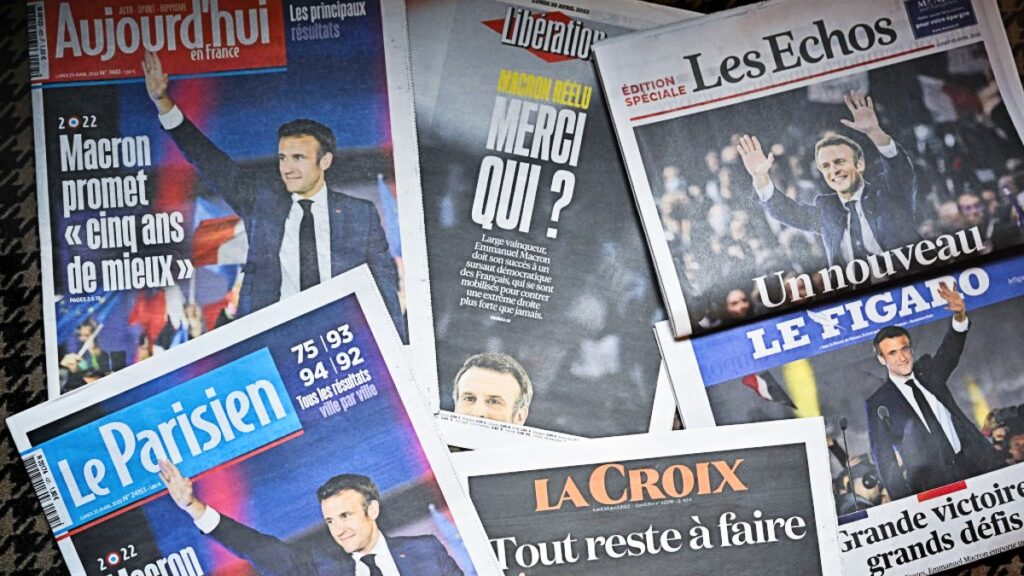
<point x="529" y="232"/>
<point x="920" y="386"/>
<point x="177" y="145"/>
<point x="736" y="499"/>
<point x="293" y="443"/>
<point x="826" y="148"/>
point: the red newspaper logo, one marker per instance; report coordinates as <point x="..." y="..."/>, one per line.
<point x="89" y="41"/>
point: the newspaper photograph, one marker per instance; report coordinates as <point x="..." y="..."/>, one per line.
<point x="197" y="161"/>
<point x="828" y="148"/>
<point x="920" y="387"/>
<point x="700" y="501"/>
<point x="529" y="229"/>
<point x="296" y="443"/>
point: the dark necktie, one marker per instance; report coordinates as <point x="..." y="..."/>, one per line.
<point x="371" y="563"/>
<point x="856" y="234"/>
<point x="929" y="416"/>
<point x="309" y="265"/>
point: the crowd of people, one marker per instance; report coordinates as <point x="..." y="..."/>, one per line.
<point x="969" y="172"/>
<point x="1004" y="428"/>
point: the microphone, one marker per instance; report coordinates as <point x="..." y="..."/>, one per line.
<point x="883" y="414"/>
<point x="849" y="472"/>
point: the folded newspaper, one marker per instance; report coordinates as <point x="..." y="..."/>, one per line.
<point x="920" y="386"/>
<point x="292" y="443"/>
<point x="738" y="499"/>
<point x="532" y="300"/>
<point x="827" y="147"/>
<point x="177" y="144"/>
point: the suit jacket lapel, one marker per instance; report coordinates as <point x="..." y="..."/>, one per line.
<point x="835" y="224"/>
<point x="338" y="216"/>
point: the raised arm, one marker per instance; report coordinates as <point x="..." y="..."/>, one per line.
<point x="897" y="169"/>
<point x="778" y="205"/>
<point x="218" y="171"/>
<point x="952" y="347"/>
<point x="270" y="556"/>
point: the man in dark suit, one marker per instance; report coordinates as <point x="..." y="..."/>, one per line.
<point x="352" y="545"/>
<point x="860" y="217"/>
<point x="920" y="438"/>
<point x="300" y="231"/>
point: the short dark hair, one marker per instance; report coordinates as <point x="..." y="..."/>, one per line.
<point x="341" y="482"/>
<point x="839" y="140"/>
<point x="886" y="333"/>
<point x="306" y="127"/>
<point x="504" y="364"/>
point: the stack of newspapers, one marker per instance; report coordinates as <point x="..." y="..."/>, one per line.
<point x="422" y="287"/>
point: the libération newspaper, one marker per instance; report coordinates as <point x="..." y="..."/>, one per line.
<point x="740" y="499"/>
<point x="177" y="145"/>
<point x="826" y="148"/>
<point x="920" y="385"/>
<point x="533" y="264"/>
<point x="293" y="443"/>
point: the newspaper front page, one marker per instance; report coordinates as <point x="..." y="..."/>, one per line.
<point x="737" y="499"/>
<point x="534" y="258"/>
<point x="294" y="443"/>
<point x="176" y="145"/>
<point x="920" y="386"/>
<point x="826" y="148"/>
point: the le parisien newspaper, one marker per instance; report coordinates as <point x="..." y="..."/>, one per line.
<point x="920" y="386"/>
<point x="174" y="142"/>
<point x="736" y="499"/>
<point x="825" y="148"/>
<point x="534" y="263"/>
<point x="293" y="442"/>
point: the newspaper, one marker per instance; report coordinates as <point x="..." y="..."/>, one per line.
<point x="825" y="148"/>
<point x="920" y="386"/>
<point x="292" y="444"/>
<point x="533" y="264"/>
<point x="686" y="502"/>
<point x="174" y="142"/>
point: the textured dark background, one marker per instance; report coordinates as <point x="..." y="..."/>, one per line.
<point x="26" y="545"/>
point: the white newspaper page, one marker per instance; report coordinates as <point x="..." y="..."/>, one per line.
<point x="537" y="288"/>
<point x="293" y="443"/>
<point x="920" y="387"/>
<point x="177" y="145"/>
<point x="826" y="147"/>
<point x="737" y="499"/>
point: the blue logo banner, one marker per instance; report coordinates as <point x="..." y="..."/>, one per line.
<point x="202" y="423"/>
<point x="756" y="347"/>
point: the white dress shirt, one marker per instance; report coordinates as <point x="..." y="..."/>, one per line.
<point x="941" y="412"/>
<point x="382" y="557"/>
<point x="870" y="243"/>
<point x="289" y="254"/>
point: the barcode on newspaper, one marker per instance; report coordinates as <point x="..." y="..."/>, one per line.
<point x="40" y="475"/>
<point x="38" y="55"/>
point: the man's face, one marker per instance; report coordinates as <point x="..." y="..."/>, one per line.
<point x="972" y="209"/>
<point x="1016" y="448"/>
<point x="489" y="394"/>
<point x="353" y="525"/>
<point x="837" y="165"/>
<point x="297" y="161"/>
<point x="84" y="332"/>
<point x="737" y="304"/>
<point x="897" y="355"/>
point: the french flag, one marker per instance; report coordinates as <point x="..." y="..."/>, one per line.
<point x="766" y="387"/>
<point x="219" y="241"/>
